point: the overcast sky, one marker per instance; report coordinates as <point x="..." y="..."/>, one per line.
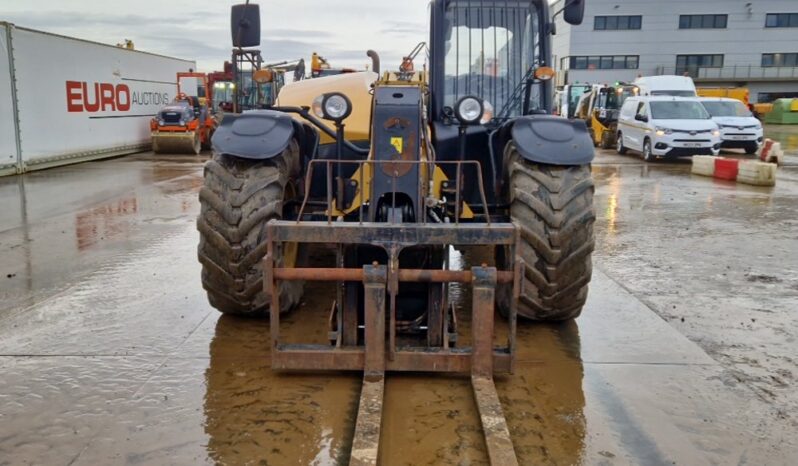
<point x="341" y="30"/>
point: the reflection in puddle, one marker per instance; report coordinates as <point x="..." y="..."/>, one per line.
<point x="787" y="136"/>
<point x="253" y="414"/>
<point x="106" y="221"/>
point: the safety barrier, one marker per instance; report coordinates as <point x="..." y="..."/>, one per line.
<point x="752" y="172"/>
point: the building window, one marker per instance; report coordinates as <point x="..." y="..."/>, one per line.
<point x="703" y="21"/>
<point x="767" y="97"/>
<point x="617" y="23"/>
<point x="779" y="59"/>
<point x="691" y="63"/>
<point x="605" y="62"/>
<point x="781" y="20"/>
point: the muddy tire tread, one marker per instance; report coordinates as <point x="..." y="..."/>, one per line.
<point x="553" y="208"/>
<point x="237" y="199"/>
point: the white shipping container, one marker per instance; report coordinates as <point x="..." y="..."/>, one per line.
<point x="9" y="153"/>
<point x="78" y="100"/>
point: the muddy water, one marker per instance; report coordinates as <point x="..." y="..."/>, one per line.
<point x="110" y="354"/>
<point x="787" y="135"/>
<point x="308" y="419"/>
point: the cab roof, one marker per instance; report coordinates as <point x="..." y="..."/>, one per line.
<point x="664" y="98"/>
<point x="718" y="99"/>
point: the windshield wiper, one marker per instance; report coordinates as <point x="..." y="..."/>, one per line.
<point x="517" y="95"/>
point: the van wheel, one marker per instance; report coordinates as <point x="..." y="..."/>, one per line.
<point x="619" y="147"/>
<point x="751" y="148"/>
<point x="648" y="156"/>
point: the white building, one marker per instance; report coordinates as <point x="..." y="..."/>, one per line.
<point x="725" y="43"/>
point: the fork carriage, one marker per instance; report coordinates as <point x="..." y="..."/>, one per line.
<point x="372" y="353"/>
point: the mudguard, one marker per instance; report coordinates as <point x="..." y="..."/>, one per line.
<point x="256" y="134"/>
<point x="553" y="140"/>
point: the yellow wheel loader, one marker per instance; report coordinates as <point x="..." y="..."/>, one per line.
<point x="600" y="108"/>
<point x="390" y="171"/>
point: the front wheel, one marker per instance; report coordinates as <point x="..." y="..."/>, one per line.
<point x="619" y="147"/>
<point x="751" y="149"/>
<point x="648" y="156"/>
<point x="553" y="208"/>
<point x="606" y="140"/>
<point x="238" y="199"/>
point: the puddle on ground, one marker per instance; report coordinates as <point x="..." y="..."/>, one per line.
<point x="145" y="380"/>
<point x="252" y="412"/>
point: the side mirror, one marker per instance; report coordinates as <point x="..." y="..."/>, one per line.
<point x="245" y="25"/>
<point x="642" y="118"/>
<point x="574" y="12"/>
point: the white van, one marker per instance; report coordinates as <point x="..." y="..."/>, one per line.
<point x="739" y="129"/>
<point x="666" y="127"/>
<point x="677" y="86"/>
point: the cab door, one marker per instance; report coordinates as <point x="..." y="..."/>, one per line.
<point x="640" y="127"/>
<point x="626" y="121"/>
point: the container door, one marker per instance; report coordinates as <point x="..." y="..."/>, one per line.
<point x="9" y="156"/>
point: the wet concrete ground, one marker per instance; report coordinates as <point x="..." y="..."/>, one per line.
<point x="110" y="354"/>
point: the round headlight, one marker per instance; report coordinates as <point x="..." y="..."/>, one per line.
<point x="469" y="110"/>
<point x="160" y="122"/>
<point x="333" y="106"/>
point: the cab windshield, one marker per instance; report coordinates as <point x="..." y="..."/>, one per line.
<point x="490" y="47"/>
<point x="727" y="109"/>
<point x="675" y="110"/>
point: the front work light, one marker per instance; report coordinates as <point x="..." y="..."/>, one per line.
<point x="469" y="110"/>
<point x="333" y="106"/>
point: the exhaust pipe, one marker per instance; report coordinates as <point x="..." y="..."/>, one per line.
<point x="375" y="61"/>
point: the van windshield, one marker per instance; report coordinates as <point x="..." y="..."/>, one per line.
<point x="676" y="110"/>
<point x="727" y="109"/>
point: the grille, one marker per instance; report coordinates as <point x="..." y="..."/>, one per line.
<point x="698" y="131"/>
<point x="171" y="117"/>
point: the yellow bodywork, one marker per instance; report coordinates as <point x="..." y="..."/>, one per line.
<point x="598" y="128"/>
<point x="358" y="88"/>
<point x="739" y="93"/>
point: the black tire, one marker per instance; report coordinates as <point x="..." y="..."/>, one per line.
<point x="553" y="207"/>
<point x="206" y="145"/>
<point x="606" y="140"/>
<point x="751" y="149"/>
<point x="619" y="147"/>
<point x="197" y="148"/>
<point x="237" y="200"/>
<point x="648" y="156"/>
